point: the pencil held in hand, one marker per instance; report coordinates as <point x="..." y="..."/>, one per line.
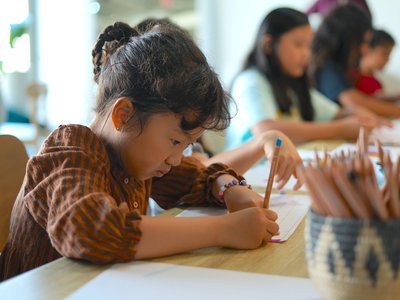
<point x="272" y="172"/>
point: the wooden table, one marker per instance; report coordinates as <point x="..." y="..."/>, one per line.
<point x="64" y="276"/>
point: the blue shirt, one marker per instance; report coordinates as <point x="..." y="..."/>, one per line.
<point x="255" y="102"/>
<point x="331" y="81"/>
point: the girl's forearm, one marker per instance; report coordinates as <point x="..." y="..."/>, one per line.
<point x="301" y="132"/>
<point x="164" y="235"/>
<point x="353" y="98"/>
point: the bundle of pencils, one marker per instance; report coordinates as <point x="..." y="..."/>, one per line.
<point x="346" y="186"/>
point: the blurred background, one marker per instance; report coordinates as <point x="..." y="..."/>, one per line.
<point x="45" y="49"/>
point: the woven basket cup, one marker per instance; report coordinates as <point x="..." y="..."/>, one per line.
<point x="353" y="258"/>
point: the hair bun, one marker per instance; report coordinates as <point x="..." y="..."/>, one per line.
<point x="120" y="32"/>
<point x="108" y="42"/>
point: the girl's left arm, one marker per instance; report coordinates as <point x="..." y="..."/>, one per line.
<point x="189" y="183"/>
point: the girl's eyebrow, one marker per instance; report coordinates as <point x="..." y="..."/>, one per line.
<point x="188" y="136"/>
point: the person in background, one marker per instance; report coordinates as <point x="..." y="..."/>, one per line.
<point x="338" y="45"/>
<point x="272" y="91"/>
<point x="374" y="60"/>
<point x="86" y="192"/>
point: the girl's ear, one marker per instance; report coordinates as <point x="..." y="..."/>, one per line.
<point x="122" y="111"/>
<point x="267" y="43"/>
<point x="365" y="49"/>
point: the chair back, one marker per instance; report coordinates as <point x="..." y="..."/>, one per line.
<point x="13" y="160"/>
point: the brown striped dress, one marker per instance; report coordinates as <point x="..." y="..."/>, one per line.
<point x="75" y="202"/>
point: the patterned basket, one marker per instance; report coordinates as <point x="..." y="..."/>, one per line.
<point x="352" y="258"/>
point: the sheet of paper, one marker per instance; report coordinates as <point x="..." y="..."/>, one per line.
<point x="291" y="209"/>
<point x="388" y="135"/>
<point x="147" y="280"/>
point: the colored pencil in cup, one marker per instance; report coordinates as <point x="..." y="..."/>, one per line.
<point x="274" y="165"/>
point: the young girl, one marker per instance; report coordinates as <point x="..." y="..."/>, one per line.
<point x="272" y="91"/>
<point x="85" y="193"/>
<point x="374" y="59"/>
<point x="340" y="41"/>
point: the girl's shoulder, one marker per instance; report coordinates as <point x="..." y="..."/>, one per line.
<point x="74" y="137"/>
<point x="251" y="78"/>
<point x="251" y="74"/>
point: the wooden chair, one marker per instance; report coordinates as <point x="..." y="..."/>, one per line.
<point x="13" y="159"/>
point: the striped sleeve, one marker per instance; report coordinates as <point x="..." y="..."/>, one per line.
<point x="190" y="183"/>
<point x="72" y="202"/>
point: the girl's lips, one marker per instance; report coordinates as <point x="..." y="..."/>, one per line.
<point x="160" y="173"/>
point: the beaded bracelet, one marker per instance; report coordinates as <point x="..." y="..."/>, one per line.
<point x="223" y="188"/>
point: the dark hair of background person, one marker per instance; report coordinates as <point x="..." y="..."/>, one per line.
<point x="339" y="37"/>
<point x="161" y="70"/>
<point x="381" y="38"/>
<point x="275" y="24"/>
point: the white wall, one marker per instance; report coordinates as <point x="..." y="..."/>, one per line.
<point x="386" y="16"/>
<point x="64" y="59"/>
<point x="228" y="28"/>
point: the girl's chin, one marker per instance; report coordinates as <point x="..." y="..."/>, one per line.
<point x="297" y="74"/>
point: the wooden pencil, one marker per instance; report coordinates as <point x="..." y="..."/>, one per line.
<point x="272" y="172"/>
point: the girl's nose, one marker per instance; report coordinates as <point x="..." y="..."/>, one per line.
<point x="174" y="160"/>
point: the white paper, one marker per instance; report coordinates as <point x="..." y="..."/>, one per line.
<point x="291" y="209"/>
<point x="147" y="280"/>
<point x="387" y="135"/>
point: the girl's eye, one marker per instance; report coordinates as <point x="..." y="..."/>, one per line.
<point x="175" y="142"/>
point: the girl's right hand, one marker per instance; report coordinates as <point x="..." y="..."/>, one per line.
<point x="248" y="228"/>
<point x="370" y="120"/>
<point x="289" y="158"/>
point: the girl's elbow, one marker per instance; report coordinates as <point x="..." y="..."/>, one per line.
<point x="264" y="126"/>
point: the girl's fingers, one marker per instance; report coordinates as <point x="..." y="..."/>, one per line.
<point x="298" y="184"/>
<point x="270" y="214"/>
<point x="272" y="227"/>
<point x="285" y="162"/>
<point x="267" y="238"/>
<point x="288" y="172"/>
<point x="285" y="176"/>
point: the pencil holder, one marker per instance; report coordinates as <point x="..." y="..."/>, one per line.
<point x="353" y="258"/>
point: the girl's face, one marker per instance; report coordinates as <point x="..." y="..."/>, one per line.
<point x="294" y="50"/>
<point x="159" y="147"/>
<point x="376" y="58"/>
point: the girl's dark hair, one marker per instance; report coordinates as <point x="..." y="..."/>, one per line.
<point x="160" y="68"/>
<point x="381" y="38"/>
<point x="339" y="37"/>
<point x="275" y="24"/>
